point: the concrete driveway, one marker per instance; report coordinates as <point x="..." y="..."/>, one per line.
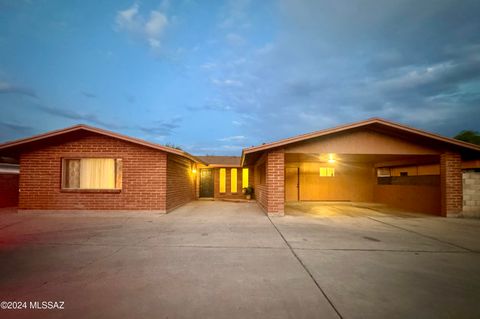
<point x="228" y="260"/>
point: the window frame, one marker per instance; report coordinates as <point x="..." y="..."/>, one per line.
<point x="118" y="175"/>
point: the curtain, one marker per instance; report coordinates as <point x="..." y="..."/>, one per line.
<point x="97" y="173"/>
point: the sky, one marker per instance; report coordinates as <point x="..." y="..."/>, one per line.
<point x="214" y="77"/>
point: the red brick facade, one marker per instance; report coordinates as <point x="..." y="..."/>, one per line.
<point x="8" y="190"/>
<point x="275" y="182"/>
<point x="228" y="177"/>
<point x="451" y="183"/>
<point x="144" y="182"/>
<point x="180" y="181"/>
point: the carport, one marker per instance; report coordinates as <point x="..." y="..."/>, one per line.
<point x="374" y="161"/>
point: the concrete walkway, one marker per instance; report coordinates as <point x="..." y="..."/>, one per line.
<point x="228" y="260"/>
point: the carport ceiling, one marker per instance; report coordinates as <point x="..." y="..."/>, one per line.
<point x="361" y="158"/>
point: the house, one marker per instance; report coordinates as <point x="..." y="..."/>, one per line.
<point x="369" y="161"/>
<point x="86" y="168"/>
<point x="222" y="178"/>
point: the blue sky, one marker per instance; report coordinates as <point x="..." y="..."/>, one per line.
<point x="217" y="76"/>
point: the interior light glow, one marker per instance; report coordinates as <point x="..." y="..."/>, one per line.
<point x="331" y="160"/>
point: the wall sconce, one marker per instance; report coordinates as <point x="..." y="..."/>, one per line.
<point x="331" y="160"/>
<point x="194" y="170"/>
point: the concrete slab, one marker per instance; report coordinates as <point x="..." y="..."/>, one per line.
<point x="189" y="283"/>
<point x="382" y="284"/>
<point x="220" y="259"/>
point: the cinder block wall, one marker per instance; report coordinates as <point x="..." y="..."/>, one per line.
<point x="180" y="181"/>
<point x="8" y="190"/>
<point x="144" y="176"/>
<point x="471" y="193"/>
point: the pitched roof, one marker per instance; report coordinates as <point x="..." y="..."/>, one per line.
<point x="87" y="128"/>
<point x="221" y="160"/>
<point x="370" y="122"/>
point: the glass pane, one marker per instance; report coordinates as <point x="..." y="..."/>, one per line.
<point x="97" y="173"/>
<point x="72" y="173"/>
<point x="233" y="180"/>
<point x="223" y="181"/>
<point x="244" y="177"/>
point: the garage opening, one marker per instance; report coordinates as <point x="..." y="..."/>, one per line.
<point x="402" y="181"/>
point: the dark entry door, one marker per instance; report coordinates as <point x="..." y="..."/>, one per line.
<point x="206" y="182"/>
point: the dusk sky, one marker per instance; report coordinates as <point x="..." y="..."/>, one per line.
<point x="216" y="76"/>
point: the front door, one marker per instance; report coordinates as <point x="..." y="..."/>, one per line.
<point x="291" y="184"/>
<point x="206" y="182"/>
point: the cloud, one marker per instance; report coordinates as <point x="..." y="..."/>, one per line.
<point x="226" y="82"/>
<point x="233" y="138"/>
<point x="10" y="130"/>
<point x="82" y="117"/>
<point x="162" y="128"/>
<point x="89" y="94"/>
<point x="150" y="30"/>
<point x="332" y="62"/>
<point x="234" y="39"/>
<point x="8" y="88"/>
<point x="235" y="14"/>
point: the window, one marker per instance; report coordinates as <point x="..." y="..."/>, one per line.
<point x="233" y="180"/>
<point x="327" y="171"/>
<point x="92" y="173"/>
<point x="223" y="180"/>
<point x="383" y="172"/>
<point x="403" y="173"/>
<point x="245" y="177"/>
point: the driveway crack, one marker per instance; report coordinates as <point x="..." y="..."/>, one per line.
<point x="423" y="235"/>
<point x="306" y="269"/>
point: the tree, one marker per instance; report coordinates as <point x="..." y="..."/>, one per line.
<point x="171" y="145"/>
<point x="469" y="136"/>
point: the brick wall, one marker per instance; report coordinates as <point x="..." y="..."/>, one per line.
<point x="228" y="194"/>
<point x="451" y="183"/>
<point x="180" y="181"/>
<point x="260" y="182"/>
<point x="8" y="190"/>
<point x="144" y="175"/>
<point x="275" y="167"/>
<point x="471" y="193"/>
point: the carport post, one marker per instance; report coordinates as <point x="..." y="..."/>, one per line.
<point x="451" y="183"/>
<point x="275" y="168"/>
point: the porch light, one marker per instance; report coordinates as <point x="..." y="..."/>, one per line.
<point x="331" y="160"/>
<point x="194" y="170"/>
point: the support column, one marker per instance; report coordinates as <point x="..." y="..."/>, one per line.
<point x="275" y="167"/>
<point x="451" y="183"/>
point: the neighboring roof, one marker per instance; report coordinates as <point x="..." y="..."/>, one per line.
<point x="225" y="161"/>
<point x="83" y="127"/>
<point x="7" y="168"/>
<point x="370" y="122"/>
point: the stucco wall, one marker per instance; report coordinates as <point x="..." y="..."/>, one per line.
<point x="352" y="182"/>
<point x="471" y="193"/>
<point x="415" y="198"/>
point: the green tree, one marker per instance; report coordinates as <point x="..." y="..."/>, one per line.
<point x="171" y="145"/>
<point x="469" y="136"/>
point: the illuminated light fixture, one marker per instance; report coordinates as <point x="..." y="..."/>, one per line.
<point x="194" y="170"/>
<point x="331" y="160"/>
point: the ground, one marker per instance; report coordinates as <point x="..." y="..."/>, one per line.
<point x="229" y="260"/>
